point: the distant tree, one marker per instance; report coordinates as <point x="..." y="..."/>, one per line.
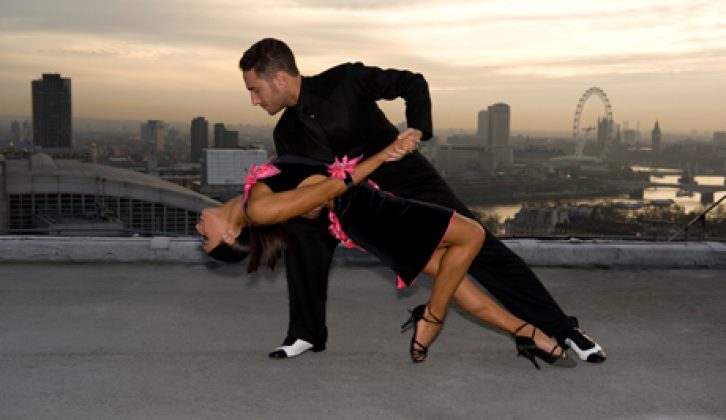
<point x="491" y="222"/>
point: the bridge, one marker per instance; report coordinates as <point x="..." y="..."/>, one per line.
<point x="707" y="191"/>
<point x="660" y="171"/>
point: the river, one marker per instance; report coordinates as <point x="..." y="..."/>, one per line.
<point x="689" y="203"/>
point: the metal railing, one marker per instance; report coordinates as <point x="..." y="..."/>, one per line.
<point x="701" y="219"/>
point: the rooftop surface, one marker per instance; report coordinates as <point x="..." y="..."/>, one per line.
<point x="172" y="341"/>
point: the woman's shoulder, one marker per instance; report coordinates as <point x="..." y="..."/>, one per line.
<point x="293" y="170"/>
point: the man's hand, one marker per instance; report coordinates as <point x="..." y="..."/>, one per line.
<point x="411" y="134"/>
<point x="405" y="143"/>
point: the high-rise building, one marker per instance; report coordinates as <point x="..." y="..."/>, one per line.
<point x="618" y="139"/>
<point x="655" y="138"/>
<point x="604" y="133"/>
<point x="719" y="137"/>
<point x="231" y="139"/>
<point x="225" y="139"/>
<point x="461" y="160"/>
<point x="498" y="129"/>
<point x="223" y="170"/>
<point x="27" y="132"/>
<point x="228" y="166"/>
<point x="152" y="135"/>
<point x="15" y="132"/>
<point x="482" y="125"/>
<point x="52" y="123"/>
<point x="219" y="134"/>
<point x="498" y="137"/>
<point x="172" y="140"/>
<point x="200" y="138"/>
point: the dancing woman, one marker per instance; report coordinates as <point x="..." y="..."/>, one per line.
<point x="407" y="235"/>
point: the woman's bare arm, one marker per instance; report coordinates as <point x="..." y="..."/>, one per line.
<point x="267" y="207"/>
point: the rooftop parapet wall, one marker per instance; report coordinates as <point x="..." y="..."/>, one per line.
<point x="186" y="250"/>
<point x="540" y="253"/>
<point x="605" y="253"/>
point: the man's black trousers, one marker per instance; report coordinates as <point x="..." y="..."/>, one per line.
<point x="499" y="270"/>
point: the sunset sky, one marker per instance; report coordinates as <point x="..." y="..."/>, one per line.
<point x="177" y="59"/>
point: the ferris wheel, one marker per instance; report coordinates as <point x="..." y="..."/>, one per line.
<point x="577" y="137"/>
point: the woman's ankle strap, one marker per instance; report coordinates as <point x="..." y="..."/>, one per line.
<point x="431" y="314"/>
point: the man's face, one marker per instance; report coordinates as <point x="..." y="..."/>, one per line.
<point x="264" y="92"/>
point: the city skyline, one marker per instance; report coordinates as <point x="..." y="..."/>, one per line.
<point x="661" y="60"/>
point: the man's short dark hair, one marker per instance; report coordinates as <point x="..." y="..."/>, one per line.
<point x="268" y="56"/>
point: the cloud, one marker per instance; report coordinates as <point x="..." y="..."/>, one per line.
<point x="646" y="64"/>
<point x="467" y="49"/>
<point x="356" y="4"/>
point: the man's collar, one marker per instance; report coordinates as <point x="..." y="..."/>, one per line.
<point x="303" y="99"/>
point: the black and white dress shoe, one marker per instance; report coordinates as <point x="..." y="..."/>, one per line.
<point x="584" y="346"/>
<point x="295" y="349"/>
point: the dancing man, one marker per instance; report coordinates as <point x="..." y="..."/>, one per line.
<point x="334" y="114"/>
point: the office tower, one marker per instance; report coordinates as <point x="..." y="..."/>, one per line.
<point x="482" y="125"/>
<point x="52" y="125"/>
<point x="617" y="140"/>
<point x="172" y="140"/>
<point x="498" y="137"/>
<point x="27" y="131"/>
<point x="223" y="138"/>
<point x="604" y="128"/>
<point x="457" y="160"/>
<point x="219" y="134"/>
<point x="655" y="138"/>
<point x="719" y="138"/>
<point x="617" y="150"/>
<point x="200" y="138"/>
<point x="231" y="139"/>
<point x="498" y="129"/>
<point x="15" y="132"/>
<point x="152" y="135"/>
<point x="228" y="166"/>
<point x="93" y="151"/>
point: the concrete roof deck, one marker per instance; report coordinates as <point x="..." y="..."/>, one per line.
<point x="165" y="341"/>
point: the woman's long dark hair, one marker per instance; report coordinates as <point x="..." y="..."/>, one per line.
<point x="263" y="244"/>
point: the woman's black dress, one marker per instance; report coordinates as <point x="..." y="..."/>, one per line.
<point x="402" y="233"/>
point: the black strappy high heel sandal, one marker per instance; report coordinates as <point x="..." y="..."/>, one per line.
<point x="417" y="350"/>
<point x="528" y="349"/>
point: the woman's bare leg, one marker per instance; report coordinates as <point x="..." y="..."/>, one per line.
<point x="480" y="305"/>
<point x="460" y="244"/>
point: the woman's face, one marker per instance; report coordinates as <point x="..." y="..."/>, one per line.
<point x="212" y="228"/>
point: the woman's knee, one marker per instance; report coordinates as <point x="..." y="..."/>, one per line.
<point x="476" y="237"/>
<point x="465" y="233"/>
